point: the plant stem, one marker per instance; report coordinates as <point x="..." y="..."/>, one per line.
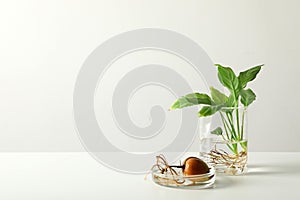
<point x="238" y="124"/>
<point x="242" y="130"/>
<point x="244" y="143"/>
<point x="233" y="147"/>
<point x="226" y="126"/>
<point x="228" y="145"/>
<point x="176" y="166"/>
<point x="233" y="133"/>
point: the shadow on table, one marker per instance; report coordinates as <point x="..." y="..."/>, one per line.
<point x="224" y="182"/>
<point x="290" y="169"/>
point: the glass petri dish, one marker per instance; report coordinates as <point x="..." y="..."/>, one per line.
<point x="200" y="181"/>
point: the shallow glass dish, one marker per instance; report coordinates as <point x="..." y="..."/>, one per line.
<point x="200" y="181"/>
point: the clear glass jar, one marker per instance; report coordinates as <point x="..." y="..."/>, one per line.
<point x="224" y="143"/>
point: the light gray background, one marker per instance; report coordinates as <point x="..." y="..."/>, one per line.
<point x="44" y="43"/>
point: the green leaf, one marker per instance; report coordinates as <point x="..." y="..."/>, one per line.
<point x="217" y="131"/>
<point x="217" y="96"/>
<point x="209" y="110"/>
<point x="244" y="145"/>
<point x="191" y="100"/>
<point x="229" y="80"/>
<point x="230" y="102"/>
<point x="247" y="97"/>
<point x="248" y="75"/>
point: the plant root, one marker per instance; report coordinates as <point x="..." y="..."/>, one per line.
<point x="233" y="163"/>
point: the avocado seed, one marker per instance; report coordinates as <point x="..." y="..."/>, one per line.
<point x="194" y="166"/>
<point x="191" y="166"/>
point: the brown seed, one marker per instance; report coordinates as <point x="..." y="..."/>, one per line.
<point x="194" y="166"/>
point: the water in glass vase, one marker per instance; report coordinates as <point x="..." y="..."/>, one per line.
<point x="226" y="156"/>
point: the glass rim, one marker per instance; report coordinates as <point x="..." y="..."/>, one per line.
<point x="234" y="107"/>
<point x="211" y="172"/>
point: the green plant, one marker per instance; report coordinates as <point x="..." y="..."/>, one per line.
<point x="218" y="102"/>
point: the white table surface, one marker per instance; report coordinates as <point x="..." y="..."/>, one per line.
<point x="78" y="176"/>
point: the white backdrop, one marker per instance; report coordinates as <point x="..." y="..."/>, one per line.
<point x="44" y="43"/>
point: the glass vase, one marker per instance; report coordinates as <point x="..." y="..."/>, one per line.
<point x="224" y="142"/>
